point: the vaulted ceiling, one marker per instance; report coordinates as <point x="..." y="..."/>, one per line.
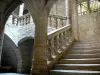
<point x="7" y="6"/>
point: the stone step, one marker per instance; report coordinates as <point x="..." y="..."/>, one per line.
<point x="87" y="42"/>
<point x="80" y="61"/>
<point x="83" y="51"/>
<point x="86" y="45"/>
<point x="77" y="66"/>
<point x="74" y="72"/>
<point x="78" y="56"/>
<point x="85" y="48"/>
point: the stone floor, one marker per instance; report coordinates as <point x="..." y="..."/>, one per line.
<point x="12" y="74"/>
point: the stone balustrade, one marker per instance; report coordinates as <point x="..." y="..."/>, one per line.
<point x="22" y="20"/>
<point x="54" y="21"/>
<point x="58" y="41"/>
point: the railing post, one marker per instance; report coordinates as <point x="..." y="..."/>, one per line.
<point x="64" y="38"/>
<point x="49" y="51"/>
<point x="56" y="23"/>
<point x="61" y="22"/>
<point x="13" y="19"/>
<point x="29" y="19"/>
<point x="60" y="41"/>
<point x="55" y="45"/>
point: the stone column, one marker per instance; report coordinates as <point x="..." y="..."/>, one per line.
<point x="40" y="44"/>
<point x="39" y="10"/>
<point x="75" y="26"/>
<point x="1" y="33"/>
<point x="67" y="11"/>
<point x="88" y="6"/>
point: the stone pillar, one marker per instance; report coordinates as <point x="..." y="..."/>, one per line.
<point x="67" y="11"/>
<point x="75" y="26"/>
<point x="40" y="44"/>
<point x="88" y="6"/>
<point x="39" y="10"/>
<point x="1" y="33"/>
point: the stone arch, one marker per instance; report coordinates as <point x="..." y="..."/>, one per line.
<point x="11" y="55"/>
<point x="11" y="6"/>
<point x="25" y="46"/>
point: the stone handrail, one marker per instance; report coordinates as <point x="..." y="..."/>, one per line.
<point x="58" y="42"/>
<point x="54" y="21"/>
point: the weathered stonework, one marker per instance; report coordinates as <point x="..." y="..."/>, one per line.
<point x="89" y="26"/>
<point x="59" y="8"/>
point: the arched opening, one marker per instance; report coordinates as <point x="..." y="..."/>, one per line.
<point x="25" y="46"/>
<point x="11" y="58"/>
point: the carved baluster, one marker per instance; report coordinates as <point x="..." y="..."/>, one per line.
<point x="60" y="41"/>
<point x="67" y="38"/>
<point x="13" y="19"/>
<point x="55" y="45"/>
<point x="49" y="51"/>
<point x="17" y="21"/>
<point x="64" y="38"/>
<point x="49" y="21"/>
<point x="23" y="20"/>
<point x="53" y="22"/>
<point x="20" y="21"/>
<point x="61" y="22"/>
<point x="64" y="21"/>
<point x="56" y="23"/>
<point x="29" y="19"/>
<point x="70" y="38"/>
<point x="26" y="20"/>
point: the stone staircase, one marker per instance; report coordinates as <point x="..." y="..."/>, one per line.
<point x="82" y="59"/>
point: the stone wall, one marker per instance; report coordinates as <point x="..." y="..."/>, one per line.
<point x="59" y="8"/>
<point x="89" y="26"/>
